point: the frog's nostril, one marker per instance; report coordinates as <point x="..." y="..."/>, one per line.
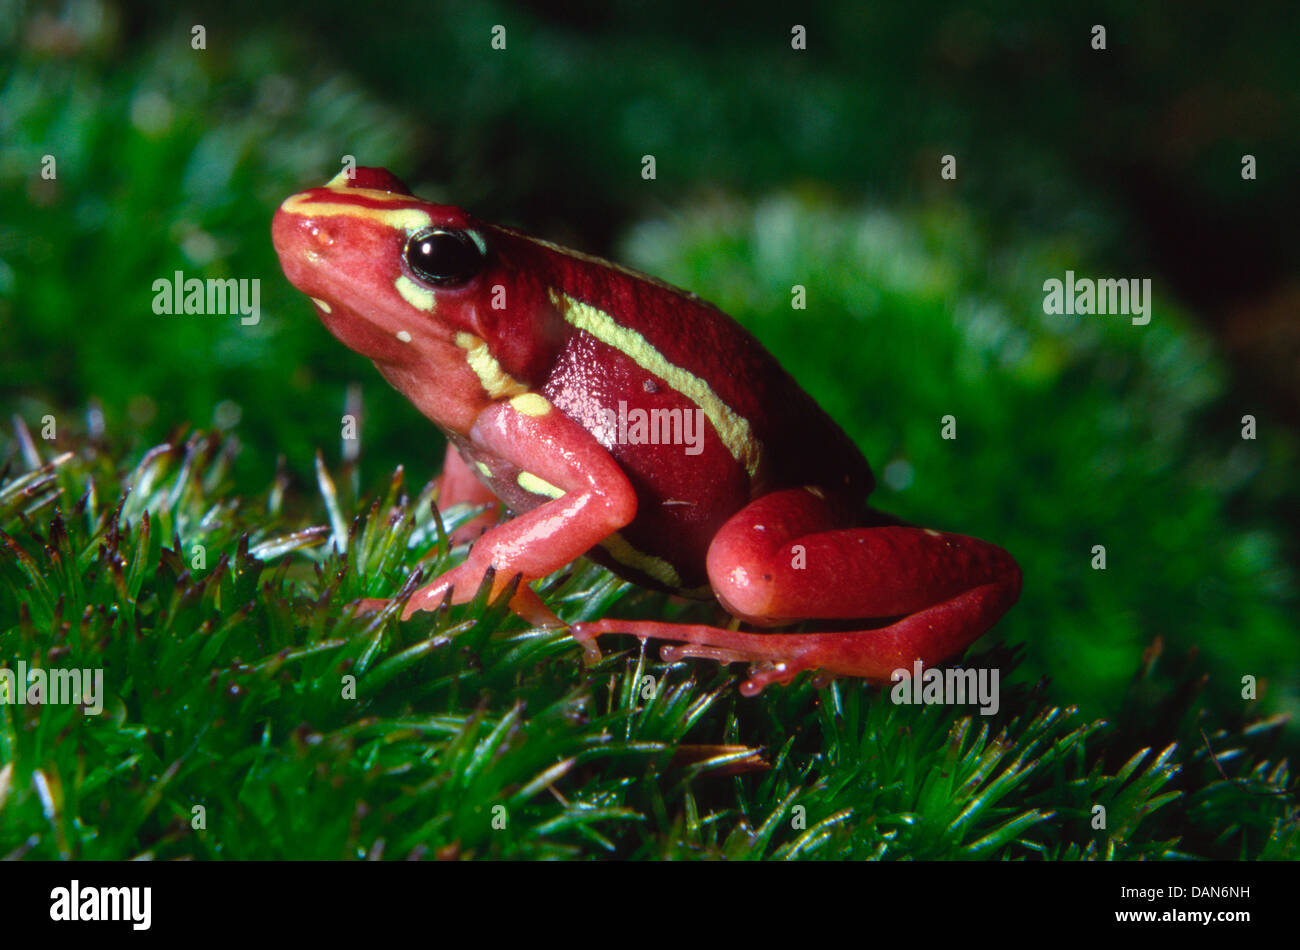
<point x="321" y="236"/>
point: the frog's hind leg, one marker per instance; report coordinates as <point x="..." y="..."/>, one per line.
<point x="783" y="559"/>
<point x="930" y="635"/>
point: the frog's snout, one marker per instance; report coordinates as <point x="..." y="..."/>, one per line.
<point x="298" y="242"/>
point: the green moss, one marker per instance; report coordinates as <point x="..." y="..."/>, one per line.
<point x="249" y="712"/>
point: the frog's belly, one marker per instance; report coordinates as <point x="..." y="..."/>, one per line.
<point x="682" y="501"/>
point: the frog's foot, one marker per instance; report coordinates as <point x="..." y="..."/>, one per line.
<point x="773" y="658"/>
<point x="875" y="654"/>
<point x="762" y="673"/>
<point x="587" y="633"/>
<point x="461" y="584"/>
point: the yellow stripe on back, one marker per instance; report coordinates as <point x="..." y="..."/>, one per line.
<point x="732" y="428"/>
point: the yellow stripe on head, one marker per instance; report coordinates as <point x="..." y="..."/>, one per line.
<point x="409" y="220"/>
<point x="421" y="298"/>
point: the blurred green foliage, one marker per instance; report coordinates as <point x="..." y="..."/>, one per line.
<point x="774" y="169"/>
<point x="168" y="161"/>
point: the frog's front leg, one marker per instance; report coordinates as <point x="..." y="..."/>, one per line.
<point x="786" y="557"/>
<point x="592" y="499"/>
<point x="458" y="485"/>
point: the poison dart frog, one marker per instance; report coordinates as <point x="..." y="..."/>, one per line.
<point x="531" y="358"/>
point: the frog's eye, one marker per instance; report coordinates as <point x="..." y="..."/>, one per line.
<point x="444" y="256"/>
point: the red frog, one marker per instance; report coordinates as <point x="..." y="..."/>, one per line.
<point x="623" y="419"/>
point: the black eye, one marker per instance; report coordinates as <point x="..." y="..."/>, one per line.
<point x="444" y="256"/>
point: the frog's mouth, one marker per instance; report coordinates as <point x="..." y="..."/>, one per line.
<point x="360" y="332"/>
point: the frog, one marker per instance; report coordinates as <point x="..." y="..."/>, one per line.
<point x="620" y="418"/>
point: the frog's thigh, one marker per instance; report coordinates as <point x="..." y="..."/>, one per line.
<point x="782" y="558"/>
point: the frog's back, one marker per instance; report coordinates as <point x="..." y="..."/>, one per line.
<point x="698" y="414"/>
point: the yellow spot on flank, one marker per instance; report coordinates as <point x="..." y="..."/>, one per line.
<point x="404" y="336"/>
<point x="487" y="472"/>
<point x="647" y="564"/>
<point x="531" y="404"/>
<point x="732" y="428"/>
<point x="409" y="220"/>
<point x="320" y="303"/>
<point x="538" y="486"/>
<point x="418" y="297"/>
<point x="495" y="381"/>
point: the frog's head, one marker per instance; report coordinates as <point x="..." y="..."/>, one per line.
<point x="408" y="284"/>
<point x="389" y="273"/>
